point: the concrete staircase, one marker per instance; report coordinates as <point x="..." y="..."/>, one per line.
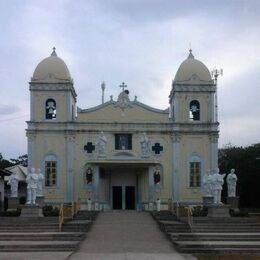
<point x="208" y="235"/>
<point x="19" y="234"/>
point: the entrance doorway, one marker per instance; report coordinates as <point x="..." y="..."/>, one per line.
<point x="129" y="197"/>
<point x="123" y="197"/>
<point x="117" y="197"/>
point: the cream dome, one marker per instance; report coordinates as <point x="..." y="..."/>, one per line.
<point x="192" y="71"/>
<point x="51" y="68"/>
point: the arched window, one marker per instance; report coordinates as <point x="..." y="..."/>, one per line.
<point x="50" y="168"/>
<point x="194" y="110"/>
<point x="50" y="109"/>
<point x="194" y="171"/>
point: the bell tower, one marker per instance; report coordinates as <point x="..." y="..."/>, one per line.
<point x="53" y="97"/>
<point x="195" y="129"/>
<point x="49" y="132"/>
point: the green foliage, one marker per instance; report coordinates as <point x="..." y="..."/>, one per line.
<point x="200" y="211"/>
<point x="4" y="163"/>
<point x="237" y="213"/>
<point x="11" y="213"/>
<point x="246" y="162"/>
<point x="50" y="211"/>
<point x="23" y="160"/>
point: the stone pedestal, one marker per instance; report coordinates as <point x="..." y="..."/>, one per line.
<point x="233" y="202"/>
<point x="13" y="203"/>
<point x="218" y="211"/>
<point x="150" y="206"/>
<point x="40" y="201"/>
<point x="208" y="200"/>
<point x="31" y="211"/>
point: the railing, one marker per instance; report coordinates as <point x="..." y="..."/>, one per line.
<point x="190" y="216"/>
<point x="68" y="211"/>
<point x="182" y="211"/>
<point x="61" y="217"/>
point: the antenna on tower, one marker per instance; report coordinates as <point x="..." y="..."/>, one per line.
<point x="215" y="73"/>
<point x="103" y="86"/>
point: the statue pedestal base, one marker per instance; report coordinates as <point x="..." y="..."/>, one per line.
<point x="218" y="211"/>
<point x="13" y="203"/>
<point x="31" y="211"/>
<point x="40" y="201"/>
<point x="207" y="200"/>
<point x="232" y="202"/>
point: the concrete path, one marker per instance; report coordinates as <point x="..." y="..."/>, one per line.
<point x="126" y="235"/>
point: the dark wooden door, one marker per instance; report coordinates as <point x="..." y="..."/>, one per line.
<point x="117" y="197"/>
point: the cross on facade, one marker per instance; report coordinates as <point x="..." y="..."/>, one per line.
<point x="123" y="86"/>
<point x="89" y="147"/>
<point x="157" y="148"/>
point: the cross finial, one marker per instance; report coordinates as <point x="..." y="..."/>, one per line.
<point x="123" y="86"/>
<point x="190" y="55"/>
<point x="53" y="52"/>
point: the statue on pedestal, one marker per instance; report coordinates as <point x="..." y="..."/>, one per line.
<point x="232" y="183"/>
<point x="89" y="175"/>
<point x="144" y="141"/>
<point x="156" y="176"/>
<point x="32" y="186"/>
<point x="13" y="182"/>
<point x="40" y="183"/>
<point x="207" y="184"/>
<point x="101" y="143"/>
<point x="217" y="183"/>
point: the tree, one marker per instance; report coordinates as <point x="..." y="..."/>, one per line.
<point x="23" y="160"/>
<point x="4" y="163"/>
<point x="246" y="161"/>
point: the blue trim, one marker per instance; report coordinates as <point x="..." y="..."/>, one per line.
<point x="69" y="171"/>
<point x="150" y="183"/>
<point x="194" y="157"/>
<point x="137" y="103"/>
<point x="96" y="182"/>
<point x="176" y="172"/>
<point x="50" y="156"/>
<point x="214" y="155"/>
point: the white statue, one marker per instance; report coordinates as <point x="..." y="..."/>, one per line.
<point x="207" y="184"/>
<point x="217" y="183"/>
<point x="32" y="186"/>
<point x="13" y="182"/>
<point x="232" y="183"/>
<point x="144" y="141"/>
<point x="40" y="183"/>
<point x="101" y="143"/>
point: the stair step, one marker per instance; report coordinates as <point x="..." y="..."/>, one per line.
<point x="44" y="236"/>
<point x="34" y="246"/>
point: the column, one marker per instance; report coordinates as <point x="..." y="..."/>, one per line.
<point x="96" y="183"/>
<point x="176" y="167"/>
<point x="30" y="144"/>
<point x="69" y="168"/>
<point x="213" y="151"/>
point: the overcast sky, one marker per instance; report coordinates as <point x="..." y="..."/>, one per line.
<point x="140" y="42"/>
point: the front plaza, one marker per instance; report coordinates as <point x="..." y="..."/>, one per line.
<point x="122" y="154"/>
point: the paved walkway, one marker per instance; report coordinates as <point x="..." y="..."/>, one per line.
<point x="126" y="235"/>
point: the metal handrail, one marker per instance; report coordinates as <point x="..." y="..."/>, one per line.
<point x="61" y="217"/>
<point x="190" y="216"/>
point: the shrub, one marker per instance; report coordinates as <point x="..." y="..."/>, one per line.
<point x="200" y="211"/>
<point x="11" y="213"/>
<point x="238" y="213"/>
<point x="50" y="211"/>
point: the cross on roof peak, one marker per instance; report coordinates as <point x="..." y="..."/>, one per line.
<point x="123" y="86"/>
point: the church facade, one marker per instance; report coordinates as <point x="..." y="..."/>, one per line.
<point x="122" y="154"/>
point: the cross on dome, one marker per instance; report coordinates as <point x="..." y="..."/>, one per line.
<point x="190" y="55"/>
<point x="53" y="52"/>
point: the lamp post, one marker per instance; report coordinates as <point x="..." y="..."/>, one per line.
<point x="215" y="73"/>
